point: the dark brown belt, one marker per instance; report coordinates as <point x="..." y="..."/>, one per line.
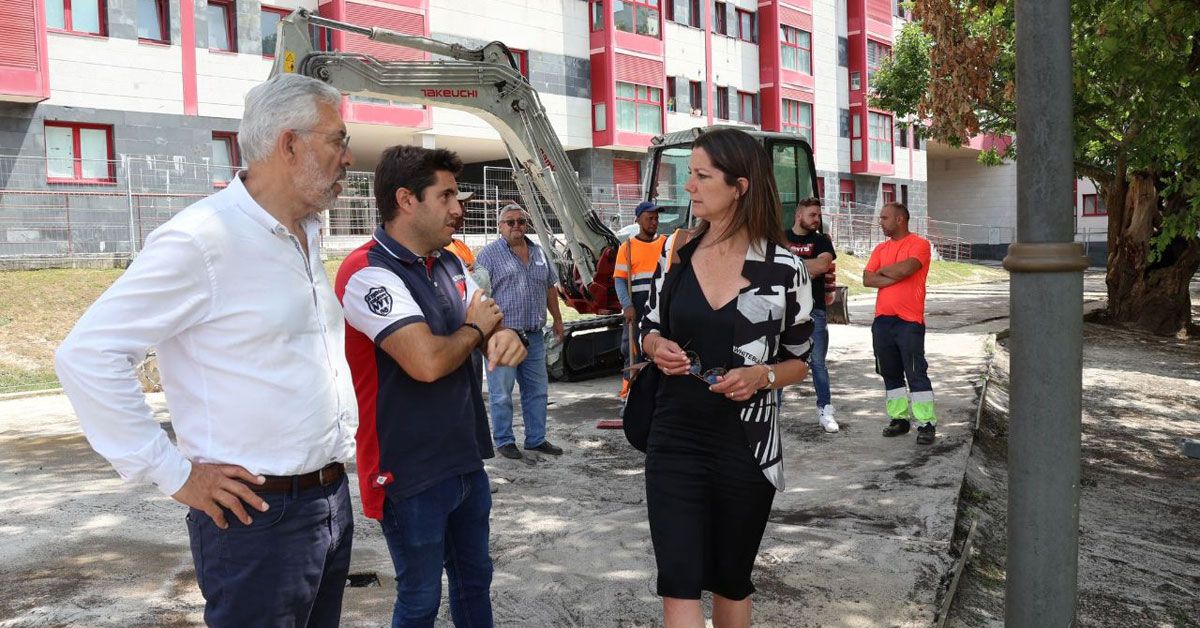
<point x="285" y="483"/>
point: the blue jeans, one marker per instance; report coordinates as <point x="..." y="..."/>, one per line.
<point x="816" y="359"/>
<point x="287" y="568"/>
<point x="531" y="375"/>
<point x="446" y="525"/>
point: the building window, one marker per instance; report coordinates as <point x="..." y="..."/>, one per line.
<point x="597" y="15"/>
<point x="904" y="195"/>
<point x="746" y="26"/>
<point x="600" y="117"/>
<point x="696" y="98"/>
<point x="855" y="81"/>
<point x="846" y="193"/>
<point x="695" y="17"/>
<point x="720" y="20"/>
<point x="902" y="137"/>
<point x="876" y="52"/>
<point x="77" y="16"/>
<point x="522" y="59"/>
<point x="880" y="132"/>
<point x="796" y="48"/>
<point x="722" y="110"/>
<point x="747" y="108"/>
<point x="153" y="21"/>
<point x="225" y="158"/>
<point x="797" y="118"/>
<point x="222" y="25"/>
<point x="888" y="193"/>
<point x="270" y="20"/>
<point x="639" y="108"/>
<point x="77" y="152"/>
<point x="636" y="16"/>
<point x="1092" y="206"/>
<point x="856" y="148"/>
<point x="671" y="94"/>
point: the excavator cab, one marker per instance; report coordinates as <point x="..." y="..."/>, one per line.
<point x="791" y="156"/>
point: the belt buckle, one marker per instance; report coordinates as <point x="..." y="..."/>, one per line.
<point x="321" y="476"/>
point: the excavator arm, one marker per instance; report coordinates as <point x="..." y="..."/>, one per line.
<point x="486" y="83"/>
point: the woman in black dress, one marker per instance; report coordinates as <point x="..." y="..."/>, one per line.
<point x="728" y="326"/>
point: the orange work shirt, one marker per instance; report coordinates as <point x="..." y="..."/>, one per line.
<point x="462" y="252"/>
<point x="904" y="299"/>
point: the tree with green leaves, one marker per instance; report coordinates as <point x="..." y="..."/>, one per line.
<point x="1136" y="67"/>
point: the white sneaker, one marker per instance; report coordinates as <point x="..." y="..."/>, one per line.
<point x="825" y="418"/>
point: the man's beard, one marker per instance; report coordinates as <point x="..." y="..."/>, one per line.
<point x="313" y="186"/>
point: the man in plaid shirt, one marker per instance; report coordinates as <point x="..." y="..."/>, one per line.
<point x="523" y="284"/>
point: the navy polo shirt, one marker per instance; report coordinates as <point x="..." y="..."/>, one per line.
<point x="411" y="434"/>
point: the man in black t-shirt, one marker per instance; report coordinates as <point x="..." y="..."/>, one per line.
<point x="808" y="243"/>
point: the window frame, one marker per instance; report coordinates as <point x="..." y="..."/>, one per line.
<point x="230" y="7"/>
<point x="648" y="5"/>
<point x="787" y="124"/>
<point x="522" y="58"/>
<point x="720" y="18"/>
<point x="68" y="22"/>
<point x="742" y="96"/>
<point x="888" y="141"/>
<point x="784" y="41"/>
<point x="638" y="102"/>
<point x="695" y="15"/>
<point x="887" y="52"/>
<point x="597" y="11"/>
<point x="741" y="34"/>
<point x="1098" y="209"/>
<point x="721" y="111"/>
<point x="76" y="146"/>
<point x="696" y="97"/>
<point x="163" y="10"/>
<point x="671" y="96"/>
<point x="235" y="157"/>
<point x="900" y="132"/>
<point x="886" y="189"/>
<point x="282" y="13"/>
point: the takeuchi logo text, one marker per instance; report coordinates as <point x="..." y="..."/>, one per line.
<point x="450" y="93"/>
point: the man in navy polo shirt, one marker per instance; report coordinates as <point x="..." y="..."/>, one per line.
<point x="414" y="318"/>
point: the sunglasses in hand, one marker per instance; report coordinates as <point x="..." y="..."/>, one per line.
<point x="695" y="369"/>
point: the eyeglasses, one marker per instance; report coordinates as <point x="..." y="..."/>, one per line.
<point x="515" y="222"/>
<point x="342" y="137"/>
<point x="696" y="370"/>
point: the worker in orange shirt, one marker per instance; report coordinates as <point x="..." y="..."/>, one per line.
<point x="637" y="259"/>
<point x="456" y="246"/>
<point x="899" y="267"/>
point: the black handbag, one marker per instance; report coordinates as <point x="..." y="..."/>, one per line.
<point x="645" y="378"/>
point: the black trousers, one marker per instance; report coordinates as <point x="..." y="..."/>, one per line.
<point x="900" y="354"/>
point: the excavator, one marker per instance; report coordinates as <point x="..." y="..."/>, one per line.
<point x="488" y="83"/>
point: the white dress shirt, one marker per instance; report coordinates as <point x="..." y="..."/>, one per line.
<point x="250" y="350"/>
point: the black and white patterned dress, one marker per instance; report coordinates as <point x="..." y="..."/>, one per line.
<point x="713" y="465"/>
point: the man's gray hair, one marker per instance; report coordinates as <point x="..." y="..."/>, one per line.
<point x="286" y="101"/>
<point x="512" y="207"/>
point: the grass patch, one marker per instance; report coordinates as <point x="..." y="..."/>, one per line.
<point x="39" y="307"/>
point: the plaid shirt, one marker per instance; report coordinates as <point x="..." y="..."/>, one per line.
<point x="519" y="289"/>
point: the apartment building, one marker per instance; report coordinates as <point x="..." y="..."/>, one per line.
<point x="84" y="83"/>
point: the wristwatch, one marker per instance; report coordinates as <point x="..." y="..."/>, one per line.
<point x="770" y="376"/>
<point x="524" y="338"/>
<point x="482" y="336"/>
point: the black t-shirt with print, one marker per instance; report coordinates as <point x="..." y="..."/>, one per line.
<point x="807" y="247"/>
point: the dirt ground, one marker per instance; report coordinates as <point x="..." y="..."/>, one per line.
<point x="1139" y="541"/>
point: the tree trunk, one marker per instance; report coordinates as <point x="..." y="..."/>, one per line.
<point x="1153" y="297"/>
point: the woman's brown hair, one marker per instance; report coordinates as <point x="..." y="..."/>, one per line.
<point x="738" y="155"/>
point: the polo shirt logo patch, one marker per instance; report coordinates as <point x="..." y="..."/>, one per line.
<point x="460" y="282"/>
<point x="379" y="300"/>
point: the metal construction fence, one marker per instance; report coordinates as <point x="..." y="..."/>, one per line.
<point x="46" y="220"/>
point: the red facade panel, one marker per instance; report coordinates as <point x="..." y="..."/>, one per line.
<point x="797" y="94"/>
<point x="879" y="19"/>
<point x="402" y="21"/>
<point x="24" y="69"/>
<point x="631" y="69"/>
<point x="626" y="172"/>
<point x="792" y="17"/>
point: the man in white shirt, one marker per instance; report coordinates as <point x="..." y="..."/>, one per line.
<point x="250" y="350"/>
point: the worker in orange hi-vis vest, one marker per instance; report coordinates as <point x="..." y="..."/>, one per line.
<point x="456" y="246"/>
<point x="637" y="259"/>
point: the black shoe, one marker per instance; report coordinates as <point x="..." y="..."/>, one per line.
<point x="547" y="448"/>
<point x="925" y="434"/>
<point x="510" y="451"/>
<point x="896" y="427"/>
